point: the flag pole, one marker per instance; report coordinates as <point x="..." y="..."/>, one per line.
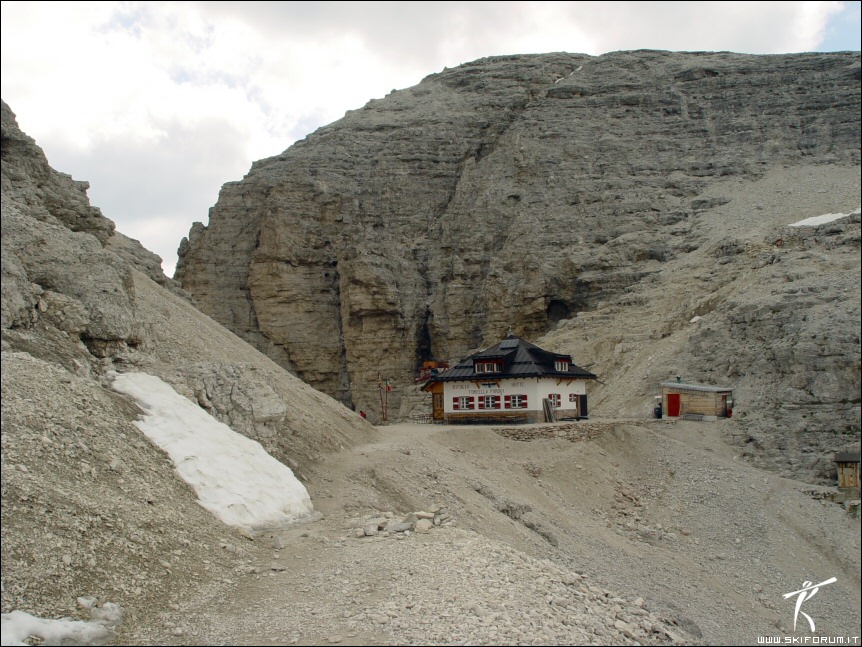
<point x="386" y="402"/>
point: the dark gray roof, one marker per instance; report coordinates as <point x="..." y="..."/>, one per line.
<point x="847" y="457"/>
<point x="520" y="358"/>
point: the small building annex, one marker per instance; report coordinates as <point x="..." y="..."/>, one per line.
<point x="512" y="381"/>
<point x="680" y="400"/>
<point x="847" y="464"/>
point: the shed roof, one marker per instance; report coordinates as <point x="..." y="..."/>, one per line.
<point x="519" y="357"/>
<point x="847" y="457"/>
<point x="697" y="387"/>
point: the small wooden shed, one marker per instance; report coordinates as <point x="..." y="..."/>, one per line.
<point x="689" y="400"/>
<point x="847" y="465"/>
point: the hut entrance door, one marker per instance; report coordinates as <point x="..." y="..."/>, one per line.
<point x="673" y="405"/>
<point x="437" y="405"/>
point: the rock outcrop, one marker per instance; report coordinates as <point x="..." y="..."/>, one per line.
<point x="514" y="193"/>
<point x="92" y="511"/>
<point x="765" y="308"/>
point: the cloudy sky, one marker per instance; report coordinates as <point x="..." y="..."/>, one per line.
<point x="157" y="104"/>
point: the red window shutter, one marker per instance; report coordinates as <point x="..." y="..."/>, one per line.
<point x="496" y="401"/>
<point x="508" y="400"/>
<point x="456" y="404"/>
<point x="481" y="402"/>
<point x="523" y="401"/>
<point x="470" y="402"/>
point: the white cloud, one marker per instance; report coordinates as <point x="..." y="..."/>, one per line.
<point x="749" y="27"/>
<point x="129" y="94"/>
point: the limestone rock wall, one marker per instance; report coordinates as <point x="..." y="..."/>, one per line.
<point x="507" y="194"/>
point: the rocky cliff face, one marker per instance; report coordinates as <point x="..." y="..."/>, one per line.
<point x="91" y="509"/>
<point x="768" y="309"/>
<point x="511" y="193"/>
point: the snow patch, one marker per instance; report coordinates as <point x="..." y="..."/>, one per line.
<point x="17" y="627"/>
<point x="822" y="220"/>
<point x="233" y="476"/>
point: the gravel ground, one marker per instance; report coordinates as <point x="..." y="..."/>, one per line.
<point x="649" y="533"/>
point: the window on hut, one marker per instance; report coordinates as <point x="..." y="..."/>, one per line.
<point x="487" y="367"/>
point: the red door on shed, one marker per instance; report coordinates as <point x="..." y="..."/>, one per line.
<point x="673" y="405"/>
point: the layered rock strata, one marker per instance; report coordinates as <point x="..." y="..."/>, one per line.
<point x="504" y="195"/>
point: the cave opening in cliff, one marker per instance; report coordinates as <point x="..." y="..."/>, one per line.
<point x="423" y="341"/>
<point x="557" y="311"/>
